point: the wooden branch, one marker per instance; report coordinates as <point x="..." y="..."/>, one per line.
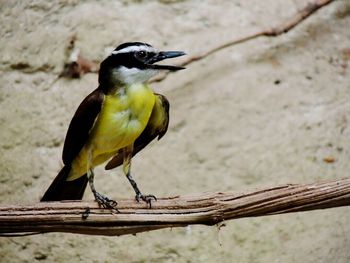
<point x="206" y="209"/>
<point x="76" y="65"/>
<point x="283" y="28"/>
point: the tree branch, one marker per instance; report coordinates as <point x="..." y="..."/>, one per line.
<point x="180" y="211"/>
<point x="283" y="28"/>
<point x="76" y="65"/>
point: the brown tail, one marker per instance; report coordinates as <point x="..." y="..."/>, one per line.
<point x="61" y="189"/>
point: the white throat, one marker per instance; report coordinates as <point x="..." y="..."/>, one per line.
<point x="132" y="75"/>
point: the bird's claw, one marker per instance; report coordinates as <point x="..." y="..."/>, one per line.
<point x="105" y="202"/>
<point x="86" y="213"/>
<point x="146" y="198"/>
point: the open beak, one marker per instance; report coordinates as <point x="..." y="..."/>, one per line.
<point x="164" y="55"/>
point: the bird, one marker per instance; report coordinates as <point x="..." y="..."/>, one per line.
<point x="114" y="122"/>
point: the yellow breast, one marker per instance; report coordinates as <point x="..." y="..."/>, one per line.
<point x="123" y="117"/>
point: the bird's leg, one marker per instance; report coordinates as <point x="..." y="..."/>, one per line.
<point x="126" y="168"/>
<point x="102" y="200"/>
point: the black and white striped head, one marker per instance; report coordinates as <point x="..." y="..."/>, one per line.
<point x="134" y="62"/>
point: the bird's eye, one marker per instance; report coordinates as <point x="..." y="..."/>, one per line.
<point x="141" y="54"/>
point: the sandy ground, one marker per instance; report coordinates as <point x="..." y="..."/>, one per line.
<point x="259" y="114"/>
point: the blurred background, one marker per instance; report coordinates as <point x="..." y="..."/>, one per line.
<point x="263" y="113"/>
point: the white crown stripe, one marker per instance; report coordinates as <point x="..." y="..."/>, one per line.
<point x="134" y="49"/>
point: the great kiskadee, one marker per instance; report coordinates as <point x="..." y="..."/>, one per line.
<point x="114" y="122"/>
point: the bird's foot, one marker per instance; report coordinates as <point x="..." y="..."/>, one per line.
<point x="146" y="198"/>
<point x="86" y="213"/>
<point x="105" y="202"/>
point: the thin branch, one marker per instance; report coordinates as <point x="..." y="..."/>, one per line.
<point x="283" y="28"/>
<point x="180" y="211"/>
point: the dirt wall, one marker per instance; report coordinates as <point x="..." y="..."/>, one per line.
<point x="258" y="114"/>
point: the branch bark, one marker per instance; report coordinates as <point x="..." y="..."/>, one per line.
<point x="180" y="211"/>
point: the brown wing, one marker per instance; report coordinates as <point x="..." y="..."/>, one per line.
<point x="81" y="124"/>
<point x="157" y="126"/>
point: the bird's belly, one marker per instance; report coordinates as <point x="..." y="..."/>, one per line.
<point x="121" y="120"/>
<point x="117" y="130"/>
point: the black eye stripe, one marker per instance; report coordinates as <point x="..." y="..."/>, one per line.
<point x="144" y="55"/>
<point x="129" y="59"/>
<point x="141" y="54"/>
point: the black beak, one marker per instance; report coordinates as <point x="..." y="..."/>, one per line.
<point x="164" y="55"/>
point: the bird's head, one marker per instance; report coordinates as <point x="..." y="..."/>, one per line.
<point x="134" y="62"/>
